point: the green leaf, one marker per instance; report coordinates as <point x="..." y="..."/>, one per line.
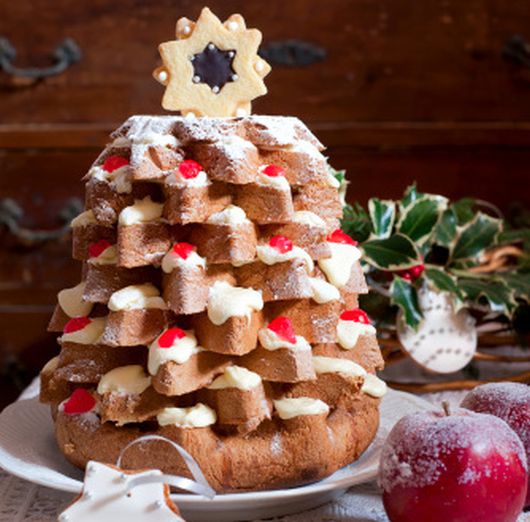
<point x="419" y="219"/>
<point x="519" y="283"/>
<point x="476" y="236"/>
<point x="411" y="195"/>
<point x="445" y="231"/>
<point x="442" y="281"/>
<point x="356" y="222"/>
<point x="394" y="253"/>
<point x="496" y="294"/>
<point x="464" y="210"/>
<point x="382" y="214"/>
<point x="404" y="295"/>
<point x="340" y="175"/>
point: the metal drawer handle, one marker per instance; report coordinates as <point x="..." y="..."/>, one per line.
<point x="517" y="51"/>
<point x="11" y="214"/>
<point x="64" y="55"/>
<point x="293" y="53"/>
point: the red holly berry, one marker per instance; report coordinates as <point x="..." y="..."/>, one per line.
<point x="183" y="250"/>
<point x="338" y="236"/>
<point x="114" y="162"/>
<point x="273" y="171"/>
<point x="96" y="249"/>
<point x="168" y="338"/>
<point x="189" y="169"/>
<point x="76" y="324"/>
<point x="80" y="401"/>
<point x="413" y="273"/>
<point x="281" y="243"/>
<point x="283" y="327"/>
<point x="356" y="315"/>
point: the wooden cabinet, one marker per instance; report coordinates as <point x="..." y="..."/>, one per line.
<point x="398" y="90"/>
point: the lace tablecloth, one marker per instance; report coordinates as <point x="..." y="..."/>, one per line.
<point x="22" y="501"/>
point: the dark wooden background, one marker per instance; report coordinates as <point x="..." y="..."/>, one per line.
<point x="407" y="91"/>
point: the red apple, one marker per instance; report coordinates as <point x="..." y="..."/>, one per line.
<point x="460" y="466"/>
<point x="511" y="402"/>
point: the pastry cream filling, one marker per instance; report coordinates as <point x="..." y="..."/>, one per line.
<point x="225" y="301"/>
<point x="270" y="340"/>
<point x="71" y="301"/>
<point x="136" y="297"/>
<point x="348" y="332"/>
<point x="338" y="267"/>
<point x="179" y="352"/>
<point x="90" y="334"/>
<point x="120" y="178"/>
<point x="337" y="365"/>
<point x="51" y="365"/>
<point x="198" y="416"/>
<point x="85" y="218"/>
<point x="109" y="256"/>
<point x="270" y="256"/>
<point x="290" y="408"/>
<point x="323" y="292"/>
<point x="171" y="260"/>
<point x="143" y="211"/>
<point x="236" y="377"/>
<point x="374" y="386"/>
<point x="306" y="217"/>
<point x="125" y="380"/>
<point x="231" y="216"/>
<point x="277" y="182"/>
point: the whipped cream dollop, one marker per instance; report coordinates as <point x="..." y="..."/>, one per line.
<point x="323" y="292"/>
<point x="338" y="267"/>
<point x="348" y="332"/>
<point x="125" y="380"/>
<point x="374" y="386"/>
<point x="136" y="297"/>
<point x="290" y="408"/>
<point x="198" y="416"/>
<point x="277" y="182"/>
<point x="236" y="377"/>
<point x="173" y="260"/>
<point x="232" y="216"/>
<point x="270" y="340"/>
<point x="90" y="334"/>
<point x="179" y="349"/>
<point x="337" y="365"/>
<point x="71" y="301"/>
<point x="306" y="217"/>
<point x="225" y="301"/>
<point x="270" y="255"/>
<point x="142" y="211"/>
<point x="85" y="218"/>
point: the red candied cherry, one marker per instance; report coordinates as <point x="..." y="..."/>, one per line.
<point x="189" y="169"/>
<point x="356" y="315"/>
<point x="96" y="249"/>
<point x="183" y="250"/>
<point x="168" y="338"/>
<point x="281" y="243"/>
<point x="79" y="402"/>
<point x="114" y="162"/>
<point x="76" y="324"/>
<point x="283" y="327"/>
<point x="338" y="236"/>
<point x="273" y="171"/>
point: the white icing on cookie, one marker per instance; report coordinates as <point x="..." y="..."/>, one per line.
<point x="198" y="416"/>
<point x="374" y="386"/>
<point x="225" y="301"/>
<point x="85" y="218"/>
<point x="119" y="179"/>
<point x="338" y="267"/>
<point x="348" y="332"/>
<point x="270" y="340"/>
<point x="306" y="217"/>
<point x="231" y="216"/>
<point x="323" y="292"/>
<point x="172" y="260"/>
<point x="271" y="255"/>
<point x="143" y="211"/>
<point x="277" y="182"/>
<point x="290" y="408"/>
<point x="71" y="301"/>
<point x="180" y="351"/>
<point x="125" y="380"/>
<point x="236" y="377"/>
<point x="337" y="365"/>
<point x="135" y="297"/>
<point x="90" y="334"/>
<point x="109" y="256"/>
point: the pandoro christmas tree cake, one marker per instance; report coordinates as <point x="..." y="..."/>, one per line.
<point x="218" y="300"/>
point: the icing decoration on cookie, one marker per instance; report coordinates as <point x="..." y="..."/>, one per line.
<point x="71" y="301"/>
<point x="212" y="68"/>
<point x="85" y="218"/>
<point x="280" y="249"/>
<point x="374" y="386"/>
<point x="236" y="377"/>
<point x="231" y="216"/>
<point x="225" y="301"/>
<point x="273" y="171"/>
<point x="272" y="176"/>
<point x="283" y="328"/>
<point x="113" y="163"/>
<point x="351" y="325"/>
<point x="75" y="324"/>
<point x="323" y="292"/>
<point x="83" y="330"/>
<point x="174" y="345"/>
<point x="182" y="254"/>
<point x="344" y="253"/>
<point x="124" y="380"/>
<point x="189" y="169"/>
<point x="279" y="333"/>
<point x="337" y="365"/>
<point x="81" y="401"/>
<point x="281" y="243"/>
<point x="306" y="217"/>
<point x="290" y="408"/>
<point x="136" y="297"/>
<point x="198" y="416"/>
<point x="97" y="248"/>
<point x="143" y="211"/>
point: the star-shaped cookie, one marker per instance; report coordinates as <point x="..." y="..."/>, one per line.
<point x="212" y="68"/>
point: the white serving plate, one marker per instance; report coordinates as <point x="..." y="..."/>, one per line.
<point x="29" y="451"/>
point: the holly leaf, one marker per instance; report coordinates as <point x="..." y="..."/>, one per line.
<point x="396" y="252"/>
<point x="464" y="210"/>
<point x="497" y="294"/>
<point x="419" y="218"/>
<point x="356" y="222"/>
<point x="382" y="214"/>
<point x="404" y="295"/>
<point x="441" y="280"/>
<point x="519" y="283"/>
<point x="410" y="196"/>
<point x="445" y="231"/>
<point x="475" y="237"/>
